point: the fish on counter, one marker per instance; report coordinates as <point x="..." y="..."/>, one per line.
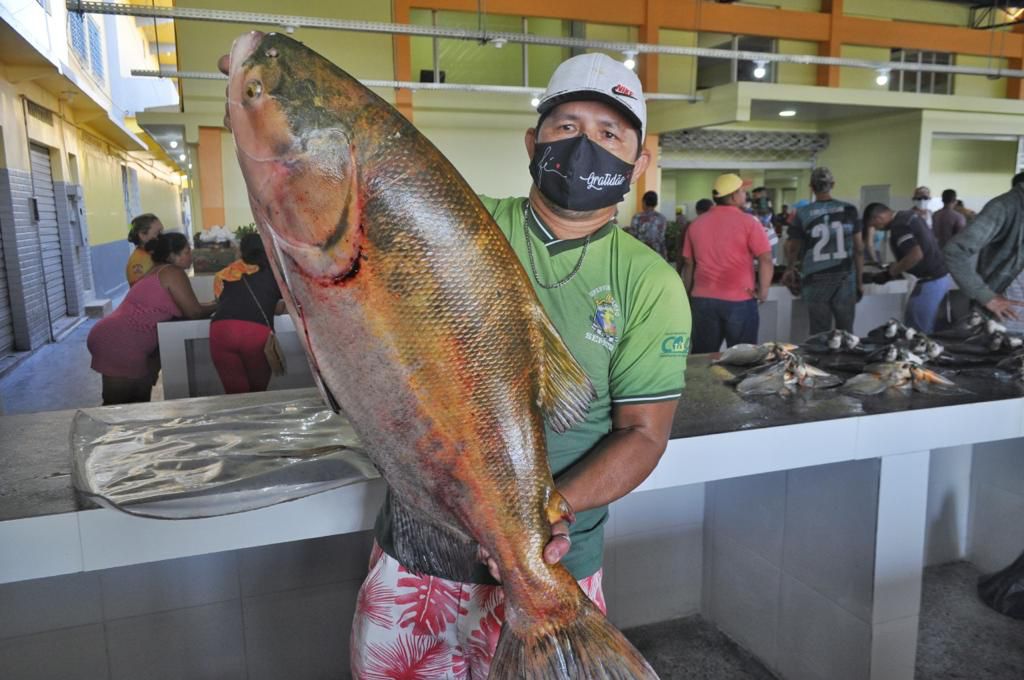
<point x="964" y="327"/>
<point x="891" y="331"/>
<point x="783" y="376"/>
<point x="745" y="354"/>
<point x="361" y="215"/>
<point x="894" y="353"/>
<point x="898" y="375"/>
<point x="1013" y="365"/>
<point x="836" y="340"/>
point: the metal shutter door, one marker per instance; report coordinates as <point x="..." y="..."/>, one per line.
<point x="49" y="235"/>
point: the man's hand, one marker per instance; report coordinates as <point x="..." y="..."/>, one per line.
<point x="761" y="298"/>
<point x="554" y="551"/>
<point x="1002" y="307"/>
<point x="791" y="280"/>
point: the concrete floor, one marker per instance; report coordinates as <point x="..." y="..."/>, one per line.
<point x="960" y="638"/>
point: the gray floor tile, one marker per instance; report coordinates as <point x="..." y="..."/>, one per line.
<point x="300" y="634"/>
<point x="43" y="604"/>
<point x="200" y="643"/>
<point x="68" y="654"/>
<point x="171" y="584"/>
<point x="301" y="564"/>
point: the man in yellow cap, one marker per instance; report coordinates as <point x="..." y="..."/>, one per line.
<point x="718" y="270"/>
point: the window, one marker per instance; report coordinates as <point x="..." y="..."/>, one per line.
<point x="924" y="82"/>
<point x="712" y="72"/>
<point x="87" y="43"/>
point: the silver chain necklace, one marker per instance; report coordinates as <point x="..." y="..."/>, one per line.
<point x="529" y="253"/>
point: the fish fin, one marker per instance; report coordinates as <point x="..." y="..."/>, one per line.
<point x="558" y="509"/>
<point x="565" y="389"/>
<point x="865" y="384"/>
<point x="426" y="548"/>
<point x="588" y="646"/>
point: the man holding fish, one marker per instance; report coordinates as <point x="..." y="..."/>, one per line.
<point x="465" y="374"/>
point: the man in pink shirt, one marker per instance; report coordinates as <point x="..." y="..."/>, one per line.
<point x="718" y="269"/>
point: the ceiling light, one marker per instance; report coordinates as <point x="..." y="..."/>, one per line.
<point x="535" y="102"/>
<point x="174" y="143"/>
<point x="630" y="61"/>
<point x="498" y="43"/>
<point x="882" y="79"/>
<point x="189" y="166"/>
<point x="181" y="157"/>
<point x="788" y="113"/>
<point x="760" y="69"/>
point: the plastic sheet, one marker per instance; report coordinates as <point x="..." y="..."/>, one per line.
<point x="190" y="465"/>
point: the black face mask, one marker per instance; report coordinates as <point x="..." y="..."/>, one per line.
<point x="577" y="174"/>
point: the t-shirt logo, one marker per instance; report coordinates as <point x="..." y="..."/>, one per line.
<point x="675" y="344"/>
<point x="604" y="327"/>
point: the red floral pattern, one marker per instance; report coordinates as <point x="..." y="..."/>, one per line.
<point x="432" y="605"/>
<point x="408" y="658"/>
<point x="411" y="627"/>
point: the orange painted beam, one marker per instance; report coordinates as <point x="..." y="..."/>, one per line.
<point x="597" y="11"/>
<point x="763" y="21"/>
<point x="211" y="176"/>
<point x="402" y="55"/>
<point x="828" y="76"/>
<point x="1014" y="89"/>
<point x="913" y="36"/>
<point x="649" y="34"/>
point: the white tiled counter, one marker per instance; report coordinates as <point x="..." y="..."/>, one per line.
<point x="804" y="542"/>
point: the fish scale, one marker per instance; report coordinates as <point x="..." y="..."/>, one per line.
<point x="421" y="325"/>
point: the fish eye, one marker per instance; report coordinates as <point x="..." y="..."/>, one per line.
<point x="253" y="89"/>
<point x="271" y="53"/>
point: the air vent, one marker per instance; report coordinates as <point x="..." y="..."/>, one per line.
<point x="40" y="113"/>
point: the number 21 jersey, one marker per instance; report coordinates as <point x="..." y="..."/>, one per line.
<point x="826" y="229"/>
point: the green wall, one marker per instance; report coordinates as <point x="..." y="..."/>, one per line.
<point x="978" y="170"/>
<point x="873" y="151"/>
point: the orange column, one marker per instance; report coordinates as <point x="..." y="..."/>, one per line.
<point x="211" y="176"/>
<point x="403" y="58"/>
<point x="1014" y="89"/>
<point x="649" y="34"/>
<point x="828" y="76"/>
<point x="651" y="180"/>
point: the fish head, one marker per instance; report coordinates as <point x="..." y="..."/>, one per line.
<point x="293" y="137"/>
<point x="835" y="340"/>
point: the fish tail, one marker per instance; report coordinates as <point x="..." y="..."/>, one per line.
<point x="588" y="646"/>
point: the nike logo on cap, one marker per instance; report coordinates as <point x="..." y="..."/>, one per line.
<point x="623" y="91"/>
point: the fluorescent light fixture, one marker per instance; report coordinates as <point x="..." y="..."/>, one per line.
<point x="760" y="69"/>
<point x="189" y="166"/>
<point x="630" y="61"/>
<point x="174" y="143"/>
<point x="788" y="113"/>
<point x="882" y="79"/>
<point x="181" y="157"/>
<point x="497" y="43"/>
<point x="535" y="102"/>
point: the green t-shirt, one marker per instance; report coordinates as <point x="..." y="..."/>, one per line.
<point x="626" y="320"/>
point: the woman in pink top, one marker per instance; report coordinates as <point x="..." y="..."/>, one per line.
<point x="123" y="345"/>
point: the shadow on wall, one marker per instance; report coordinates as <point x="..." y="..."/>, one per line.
<point x="108" y="264"/>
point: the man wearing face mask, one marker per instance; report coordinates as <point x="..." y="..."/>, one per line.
<point x="619" y="307"/>
<point x="922" y="199"/>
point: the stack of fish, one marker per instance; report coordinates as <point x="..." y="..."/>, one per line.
<point x="778" y="369"/>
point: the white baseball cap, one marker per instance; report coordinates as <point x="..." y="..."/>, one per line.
<point x="598" y="77"/>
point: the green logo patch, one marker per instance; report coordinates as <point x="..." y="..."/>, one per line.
<point x="675" y="344"/>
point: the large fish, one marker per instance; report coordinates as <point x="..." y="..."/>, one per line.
<point x="422" y="327"/>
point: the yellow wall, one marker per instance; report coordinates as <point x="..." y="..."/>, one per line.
<point x="862" y="78"/>
<point x="873" y="151"/>
<point x="677" y="74"/>
<point x="926" y="11"/>
<point x="979" y="86"/>
<point x="797" y="74"/>
<point x="977" y="170"/>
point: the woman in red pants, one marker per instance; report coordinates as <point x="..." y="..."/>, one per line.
<point x="247" y="299"/>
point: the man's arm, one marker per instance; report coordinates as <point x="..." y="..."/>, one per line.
<point x="858" y="262"/>
<point x="906" y="262"/>
<point x="791" y="277"/>
<point x="961" y="252"/>
<point x="765" y="271"/>
<point x="688" y="274"/>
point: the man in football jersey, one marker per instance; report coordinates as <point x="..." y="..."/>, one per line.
<point x="825" y="253"/>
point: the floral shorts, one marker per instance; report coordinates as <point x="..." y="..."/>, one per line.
<point x="412" y="626"/>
